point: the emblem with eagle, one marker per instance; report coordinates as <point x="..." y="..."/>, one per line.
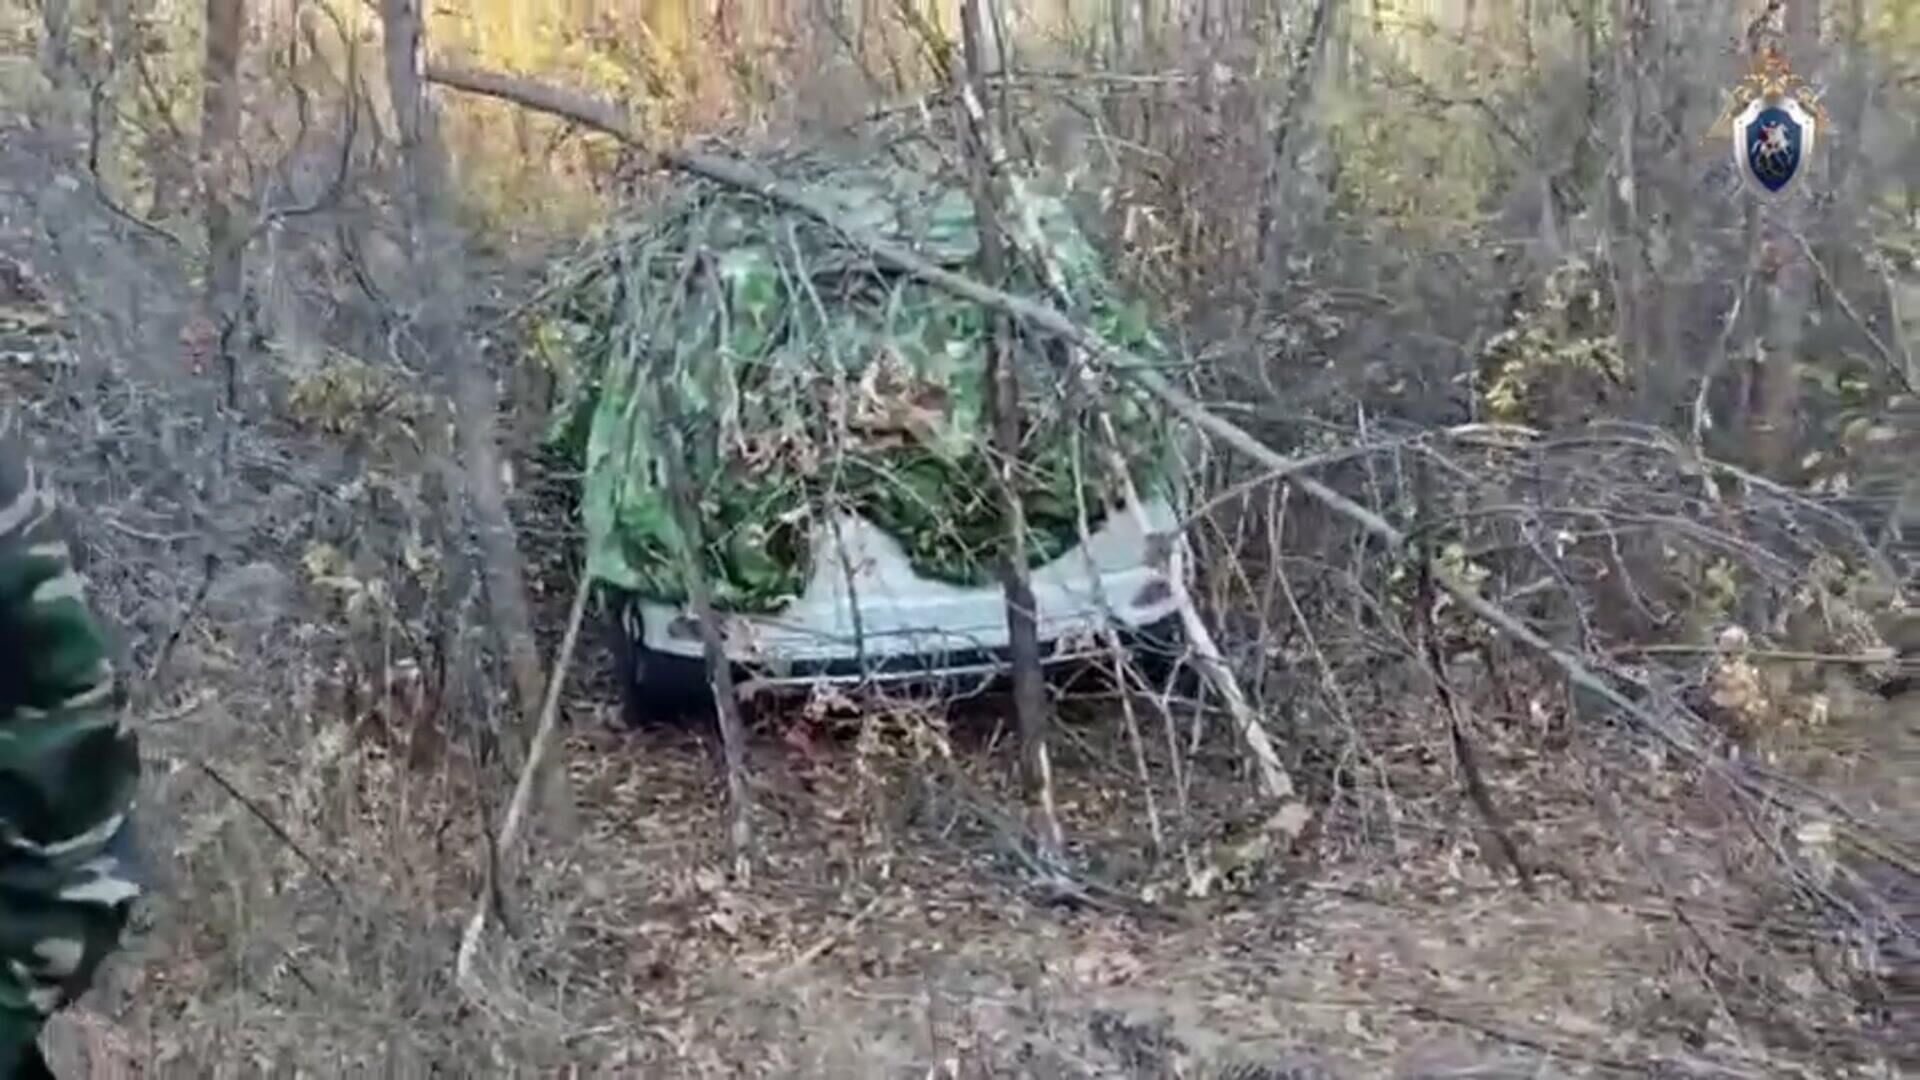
<point x="1772" y="119"/>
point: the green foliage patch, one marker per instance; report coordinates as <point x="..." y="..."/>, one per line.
<point x="805" y="378"/>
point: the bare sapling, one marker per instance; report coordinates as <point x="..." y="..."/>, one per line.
<point x="1032" y="709"/>
<point x="670" y="444"/>
<point x="545" y="737"/>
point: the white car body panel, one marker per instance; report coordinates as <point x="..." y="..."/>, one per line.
<point x="902" y="614"/>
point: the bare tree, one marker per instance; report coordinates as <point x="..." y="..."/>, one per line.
<point x="456" y="359"/>
<point x="1031" y="707"/>
<point x="221" y="158"/>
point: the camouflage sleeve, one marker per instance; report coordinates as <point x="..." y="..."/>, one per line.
<point x="68" y="773"/>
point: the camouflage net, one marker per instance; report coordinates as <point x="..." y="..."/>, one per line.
<point x="807" y="378"/>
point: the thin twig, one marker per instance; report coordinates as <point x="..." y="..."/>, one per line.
<point x="161" y="658"/>
<point x="1464" y="753"/>
<point x="1336" y="695"/>
<point x="1863" y="659"/>
<point x="1275" y="782"/>
<point x="829" y="940"/>
<point x="1722" y="350"/>
<point x="273" y="826"/>
<point x="1526" y="1040"/>
<point x="1897" y="365"/>
<point x="1110" y="638"/>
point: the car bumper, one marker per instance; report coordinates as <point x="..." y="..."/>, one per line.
<point x="867" y="614"/>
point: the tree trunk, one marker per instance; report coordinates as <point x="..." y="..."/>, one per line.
<point x="1302" y="82"/>
<point x="1031" y="707"/>
<point x="1789" y="300"/>
<point x="56" y="43"/>
<point x="220" y="177"/>
<point x="1628" y="224"/>
<point x="459" y="367"/>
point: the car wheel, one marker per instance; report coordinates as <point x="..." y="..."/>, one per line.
<point x="1159" y="653"/>
<point x="657" y="689"/>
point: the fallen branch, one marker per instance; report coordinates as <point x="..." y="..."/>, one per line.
<point x="1869" y="658"/>
<point x="1427" y="637"/>
<point x="1554" y="1046"/>
<point x="260" y="814"/>
<point x="544" y="739"/>
<point x="828" y="941"/>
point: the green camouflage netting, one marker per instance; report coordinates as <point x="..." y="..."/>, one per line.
<point x="809" y="378"/>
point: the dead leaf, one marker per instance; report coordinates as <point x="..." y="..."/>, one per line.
<point x="1290" y="820"/>
<point x="724" y="921"/>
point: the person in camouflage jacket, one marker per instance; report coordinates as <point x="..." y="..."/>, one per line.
<point x="68" y="773"/>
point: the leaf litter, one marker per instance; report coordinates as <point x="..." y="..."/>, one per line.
<point x="885" y="937"/>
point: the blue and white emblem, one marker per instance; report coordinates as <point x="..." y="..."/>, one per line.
<point x="1772" y="140"/>
<point x="1772" y="115"/>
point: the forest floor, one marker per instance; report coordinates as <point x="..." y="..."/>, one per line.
<point x="912" y="951"/>
<point x="884" y="933"/>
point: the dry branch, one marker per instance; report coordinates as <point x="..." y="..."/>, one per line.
<point x="1275" y="782"/>
<point x="1427" y="637"/>
<point x="544" y="740"/>
<point x="1898" y="365"/>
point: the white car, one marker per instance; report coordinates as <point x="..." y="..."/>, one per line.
<point x="866" y="615"/>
